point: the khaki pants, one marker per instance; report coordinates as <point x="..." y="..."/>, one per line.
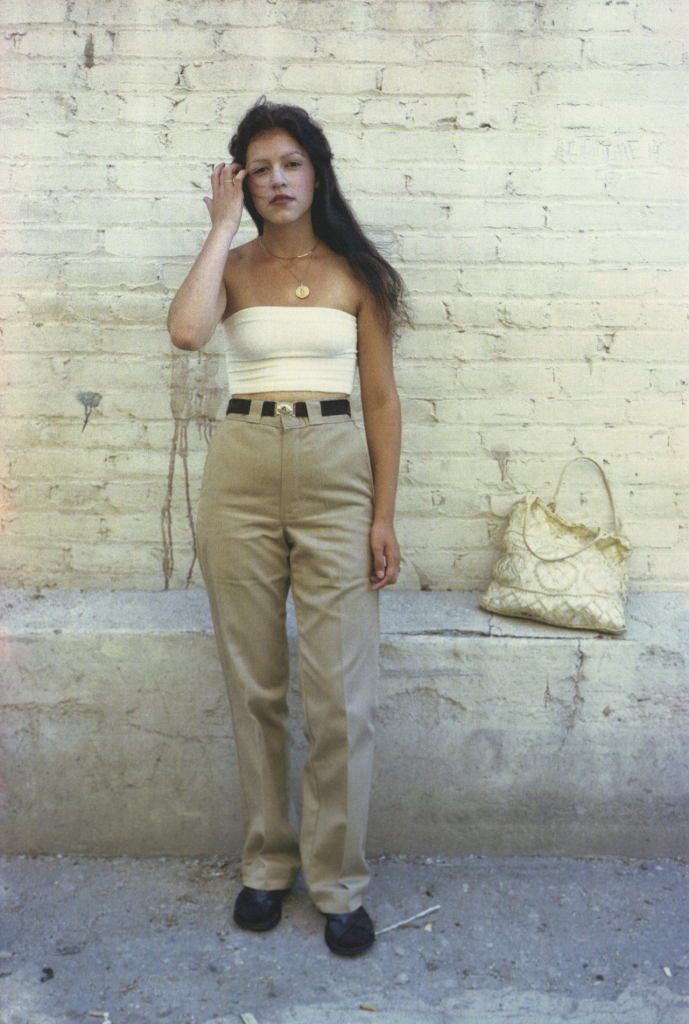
<point x="288" y="500"/>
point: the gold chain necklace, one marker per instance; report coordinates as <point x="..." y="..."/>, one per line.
<point x="302" y="291"/>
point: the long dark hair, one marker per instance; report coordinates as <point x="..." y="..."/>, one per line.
<point x="331" y="215"/>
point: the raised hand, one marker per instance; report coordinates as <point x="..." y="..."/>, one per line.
<point x="225" y="207"/>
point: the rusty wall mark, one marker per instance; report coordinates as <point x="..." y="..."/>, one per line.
<point x="195" y="397"/>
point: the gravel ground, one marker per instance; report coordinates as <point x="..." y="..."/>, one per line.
<point x="516" y="940"/>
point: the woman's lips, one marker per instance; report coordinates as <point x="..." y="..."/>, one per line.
<point x="279" y="200"/>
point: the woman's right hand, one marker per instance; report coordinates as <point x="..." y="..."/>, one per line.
<point x="225" y="208"/>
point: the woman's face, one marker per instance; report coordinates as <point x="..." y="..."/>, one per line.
<point x="280" y="176"/>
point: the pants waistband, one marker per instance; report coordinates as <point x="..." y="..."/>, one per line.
<point x="329" y="407"/>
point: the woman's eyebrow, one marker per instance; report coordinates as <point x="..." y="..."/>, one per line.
<point x="262" y="159"/>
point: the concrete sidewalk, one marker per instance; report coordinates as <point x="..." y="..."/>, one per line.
<point x="516" y="941"/>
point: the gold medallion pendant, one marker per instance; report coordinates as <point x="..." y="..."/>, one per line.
<point x="302" y="290"/>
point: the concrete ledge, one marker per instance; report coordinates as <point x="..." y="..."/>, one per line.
<point x="495" y="735"/>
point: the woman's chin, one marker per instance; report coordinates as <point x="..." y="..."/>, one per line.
<point x="282" y="213"/>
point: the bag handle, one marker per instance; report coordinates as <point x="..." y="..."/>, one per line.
<point x="551" y="505"/>
<point x="587" y="458"/>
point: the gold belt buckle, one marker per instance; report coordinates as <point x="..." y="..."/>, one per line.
<point x="285" y="407"/>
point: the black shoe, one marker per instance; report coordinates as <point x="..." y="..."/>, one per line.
<point x="259" y="910"/>
<point x="349" y="934"/>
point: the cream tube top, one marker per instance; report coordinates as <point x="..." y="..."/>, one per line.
<point x="283" y="348"/>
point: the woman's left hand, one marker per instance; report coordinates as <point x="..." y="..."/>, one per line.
<point x="386" y="554"/>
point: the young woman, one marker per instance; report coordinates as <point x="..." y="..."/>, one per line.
<point x="293" y="493"/>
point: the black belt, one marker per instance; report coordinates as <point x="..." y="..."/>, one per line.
<point x="329" y="407"/>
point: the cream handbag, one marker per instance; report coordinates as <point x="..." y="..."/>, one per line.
<point x="565" y="574"/>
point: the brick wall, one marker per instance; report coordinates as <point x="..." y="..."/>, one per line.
<point x="524" y="166"/>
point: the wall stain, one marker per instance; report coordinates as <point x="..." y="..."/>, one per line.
<point x="88" y="53"/>
<point x="195" y="397"/>
<point x="90" y="401"/>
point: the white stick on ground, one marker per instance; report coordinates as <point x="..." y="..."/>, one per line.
<point x="408" y="920"/>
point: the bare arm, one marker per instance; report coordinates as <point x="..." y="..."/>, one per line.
<point x="202" y="297"/>
<point x="382" y="419"/>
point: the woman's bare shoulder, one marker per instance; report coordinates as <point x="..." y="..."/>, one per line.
<point x="358" y="292"/>
<point x="345" y="288"/>
<point x="239" y="265"/>
<point x="237" y="275"/>
<point x="241" y="254"/>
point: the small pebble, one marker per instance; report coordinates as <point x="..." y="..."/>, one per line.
<point x="402" y="979"/>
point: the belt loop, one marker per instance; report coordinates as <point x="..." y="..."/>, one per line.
<point x="313" y="407"/>
<point x="254" y="414"/>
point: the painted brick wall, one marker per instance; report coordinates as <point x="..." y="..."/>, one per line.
<point x="523" y="164"/>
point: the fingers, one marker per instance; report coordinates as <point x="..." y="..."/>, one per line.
<point x="389" y="578"/>
<point x="385" y="568"/>
<point x="226" y="182"/>
<point x="227" y="202"/>
<point x="234" y="171"/>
